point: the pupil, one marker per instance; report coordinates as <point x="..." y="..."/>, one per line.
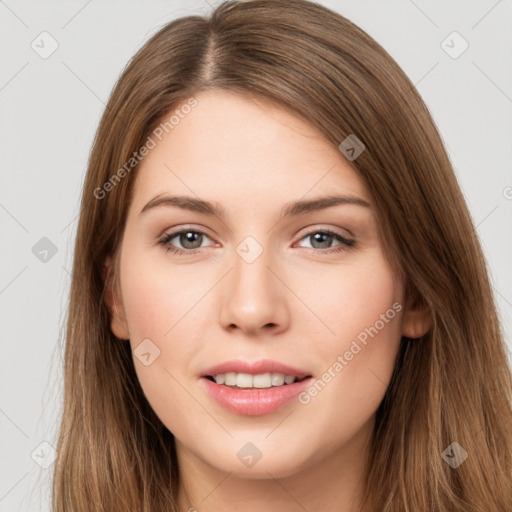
<point x="190" y="238"/>
<point x="318" y="236"/>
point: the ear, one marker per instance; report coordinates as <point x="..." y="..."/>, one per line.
<point x="417" y="319"/>
<point x="112" y="295"/>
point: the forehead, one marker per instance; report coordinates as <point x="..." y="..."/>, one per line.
<point x="251" y="150"/>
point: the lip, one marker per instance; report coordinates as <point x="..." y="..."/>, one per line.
<point x="254" y="402"/>
<point x="255" y="368"/>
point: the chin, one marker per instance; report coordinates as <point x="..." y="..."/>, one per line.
<point x="267" y="466"/>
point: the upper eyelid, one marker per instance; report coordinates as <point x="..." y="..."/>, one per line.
<point x="314" y="229"/>
<point x="180" y="229"/>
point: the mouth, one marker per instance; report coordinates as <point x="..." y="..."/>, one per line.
<point x="257" y="374"/>
<point x="254" y="394"/>
<point x="247" y="381"/>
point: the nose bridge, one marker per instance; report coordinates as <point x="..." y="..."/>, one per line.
<point x="250" y="273"/>
<point x="253" y="297"/>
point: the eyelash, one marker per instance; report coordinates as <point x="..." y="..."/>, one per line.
<point x="345" y="243"/>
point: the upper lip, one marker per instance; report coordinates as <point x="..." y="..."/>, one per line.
<point x="254" y="368"/>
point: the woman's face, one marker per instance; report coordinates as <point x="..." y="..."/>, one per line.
<point x="266" y="284"/>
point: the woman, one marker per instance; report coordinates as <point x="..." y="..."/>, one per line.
<point x="279" y="301"/>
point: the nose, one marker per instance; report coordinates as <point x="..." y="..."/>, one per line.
<point x="253" y="299"/>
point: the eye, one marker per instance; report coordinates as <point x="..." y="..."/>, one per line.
<point x="190" y="239"/>
<point x="322" y="239"/>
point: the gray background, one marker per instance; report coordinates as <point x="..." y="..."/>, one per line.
<point x="49" y="113"/>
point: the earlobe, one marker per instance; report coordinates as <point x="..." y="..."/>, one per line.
<point x="417" y="319"/>
<point x="118" y="324"/>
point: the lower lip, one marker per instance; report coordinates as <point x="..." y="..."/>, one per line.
<point x="254" y="402"/>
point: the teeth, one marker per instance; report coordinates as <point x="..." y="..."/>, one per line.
<point x="260" y="381"/>
<point x="230" y="379"/>
<point x="277" y="379"/>
<point x="289" y="379"/>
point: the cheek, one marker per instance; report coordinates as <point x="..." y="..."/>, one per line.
<point x="159" y="306"/>
<point x="363" y="308"/>
<point x="349" y="300"/>
<point x="155" y="304"/>
<point x="157" y="298"/>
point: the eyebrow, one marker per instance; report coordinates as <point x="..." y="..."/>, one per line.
<point x="291" y="209"/>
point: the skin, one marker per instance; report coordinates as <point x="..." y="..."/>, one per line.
<point x="296" y="303"/>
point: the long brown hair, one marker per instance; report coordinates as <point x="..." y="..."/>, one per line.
<point x="452" y="385"/>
